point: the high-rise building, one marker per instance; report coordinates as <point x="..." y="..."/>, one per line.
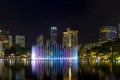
<point x="10" y="41"/>
<point x="1" y="46"/>
<point x="47" y="43"/>
<point x="118" y="31"/>
<point x="4" y="40"/>
<point x="108" y="33"/>
<point x="20" y="40"/>
<point x="70" y="38"/>
<point x="4" y="37"/>
<point x="40" y="40"/>
<point x="53" y="36"/>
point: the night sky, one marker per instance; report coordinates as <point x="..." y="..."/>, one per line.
<point x="34" y="17"/>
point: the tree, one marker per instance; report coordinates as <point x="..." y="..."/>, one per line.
<point x="17" y="50"/>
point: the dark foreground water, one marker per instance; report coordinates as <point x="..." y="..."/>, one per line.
<point x="58" y="70"/>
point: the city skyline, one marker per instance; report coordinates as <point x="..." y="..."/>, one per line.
<point x="36" y="42"/>
<point x="59" y="39"/>
<point x="36" y="17"/>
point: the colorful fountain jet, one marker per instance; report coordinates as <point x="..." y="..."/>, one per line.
<point x="54" y="53"/>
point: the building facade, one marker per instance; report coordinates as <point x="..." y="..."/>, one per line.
<point x="70" y="38"/>
<point x="53" y="34"/>
<point x="108" y="33"/>
<point x="10" y="41"/>
<point x="47" y="43"/>
<point x="4" y="40"/>
<point x="91" y="45"/>
<point x="4" y="37"/>
<point x="118" y="31"/>
<point x="40" y="40"/>
<point x="20" y="40"/>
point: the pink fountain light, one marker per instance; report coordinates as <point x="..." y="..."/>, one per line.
<point x="54" y="53"/>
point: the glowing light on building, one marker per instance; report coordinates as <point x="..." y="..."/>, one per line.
<point x="70" y="38"/>
<point x="108" y="33"/>
<point x="54" y="53"/>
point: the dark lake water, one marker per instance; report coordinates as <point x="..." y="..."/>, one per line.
<point x="59" y="70"/>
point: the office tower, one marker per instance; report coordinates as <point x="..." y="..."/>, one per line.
<point x="20" y="40"/>
<point x="0" y="31"/>
<point x="40" y="40"/>
<point x="1" y="43"/>
<point x="70" y="38"/>
<point x="4" y="37"/>
<point x="108" y="33"/>
<point x="47" y="43"/>
<point x="118" y="31"/>
<point x="4" y="40"/>
<point x="1" y="46"/>
<point x="1" y="50"/>
<point x="53" y="36"/>
<point x="10" y="40"/>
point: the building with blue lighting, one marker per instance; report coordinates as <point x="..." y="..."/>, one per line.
<point x="108" y="33"/>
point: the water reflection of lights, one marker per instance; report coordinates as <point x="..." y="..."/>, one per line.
<point x="67" y="70"/>
<point x="70" y="73"/>
<point x="117" y="61"/>
<point x="52" y="68"/>
<point x="11" y="61"/>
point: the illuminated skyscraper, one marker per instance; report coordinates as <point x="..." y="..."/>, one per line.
<point x="10" y="40"/>
<point x="108" y="33"/>
<point x="70" y="38"/>
<point x="20" y="40"/>
<point x="4" y="40"/>
<point x="40" y="40"/>
<point x="4" y="37"/>
<point x="53" y="36"/>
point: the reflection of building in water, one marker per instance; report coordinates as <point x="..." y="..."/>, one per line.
<point x="11" y="71"/>
<point x="20" y="75"/>
<point x="5" y="72"/>
<point x="51" y="69"/>
<point x="72" y="72"/>
<point x="45" y="70"/>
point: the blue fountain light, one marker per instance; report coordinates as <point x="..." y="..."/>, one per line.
<point x="54" y="53"/>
